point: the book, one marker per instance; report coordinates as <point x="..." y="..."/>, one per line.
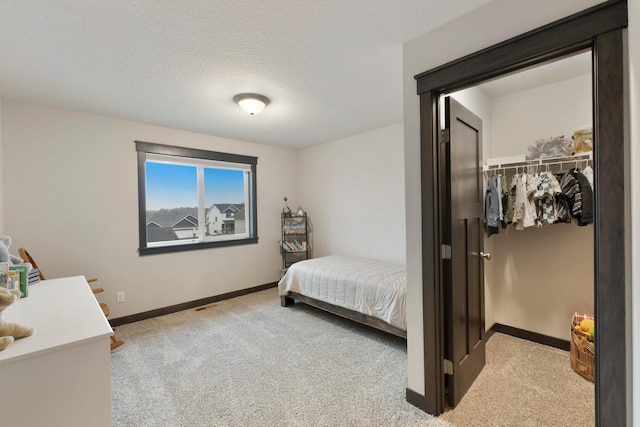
<point x="287" y="246"/>
<point x="4" y="274"/>
<point x="34" y="276"/>
<point x="23" y="278"/>
<point x="294" y="246"/>
<point x="13" y="280"/>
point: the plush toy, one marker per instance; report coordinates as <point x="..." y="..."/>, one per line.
<point x="5" y="256"/>
<point x="10" y="332"/>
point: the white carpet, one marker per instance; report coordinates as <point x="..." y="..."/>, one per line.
<point x="525" y="384"/>
<point x="249" y="362"/>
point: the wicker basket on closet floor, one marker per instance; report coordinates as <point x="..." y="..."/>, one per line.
<point x="582" y="352"/>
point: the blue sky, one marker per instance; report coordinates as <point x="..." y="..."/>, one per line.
<point x="172" y="186"/>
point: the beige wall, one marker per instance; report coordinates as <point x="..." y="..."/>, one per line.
<point x="529" y="282"/>
<point x="541" y="276"/>
<point x="521" y="118"/>
<point x="353" y="190"/>
<point x="1" y="178"/>
<point x="82" y="174"/>
<point x="71" y="198"/>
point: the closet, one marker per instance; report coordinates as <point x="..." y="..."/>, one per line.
<point x="600" y="29"/>
<point x="540" y="275"/>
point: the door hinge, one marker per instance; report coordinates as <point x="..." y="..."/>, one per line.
<point x="446" y="251"/>
<point x="447" y="367"/>
<point x="444" y="136"/>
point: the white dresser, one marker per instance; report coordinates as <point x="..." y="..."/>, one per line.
<point x="61" y="375"/>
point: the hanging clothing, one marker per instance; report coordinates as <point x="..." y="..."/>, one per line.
<point x="499" y="190"/>
<point x="507" y="203"/>
<point x="545" y="197"/>
<point x="563" y="210"/>
<point x="491" y="206"/>
<point x="517" y="198"/>
<point x="529" y="185"/>
<point x="570" y="200"/>
<point x="586" y="214"/>
<point x="528" y="200"/>
<point x="588" y="173"/>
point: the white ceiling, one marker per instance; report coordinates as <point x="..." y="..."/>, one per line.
<point x="566" y="68"/>
<point x="331" y="68"/>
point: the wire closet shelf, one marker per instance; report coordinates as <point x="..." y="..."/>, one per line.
<point x="517" y="163"/>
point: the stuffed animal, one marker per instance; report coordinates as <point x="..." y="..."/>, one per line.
<point x="5" y="256"/>
<point x="10" y="332"/>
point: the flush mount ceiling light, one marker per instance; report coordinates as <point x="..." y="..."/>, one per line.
<point x="251" y="103"/>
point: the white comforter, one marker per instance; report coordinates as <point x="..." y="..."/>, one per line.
<point x="373" y="287"/>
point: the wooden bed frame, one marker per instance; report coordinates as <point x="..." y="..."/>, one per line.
<point x="289" y="299"/>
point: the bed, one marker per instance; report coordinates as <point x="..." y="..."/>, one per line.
<point x="368" y="291"/>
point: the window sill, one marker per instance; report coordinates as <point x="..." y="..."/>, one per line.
<point x="195" y="246"/>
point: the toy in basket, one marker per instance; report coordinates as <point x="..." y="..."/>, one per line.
<point x="583" y="345"/>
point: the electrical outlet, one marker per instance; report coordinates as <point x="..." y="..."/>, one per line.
<point x="120" y="297"/>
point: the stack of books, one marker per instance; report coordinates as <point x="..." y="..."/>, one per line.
<point x="16" y="278"/>
<point x="294" y="246"/>
<point x="34" y="276"/>
<point x="4" y="274"/>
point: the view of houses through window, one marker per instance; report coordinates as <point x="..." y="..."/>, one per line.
<point x="197" y="198"/>
<point x="182" y="223"/>
<point x="172" y="202"/>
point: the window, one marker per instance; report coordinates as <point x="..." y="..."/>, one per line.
<point x="183" y="191"/>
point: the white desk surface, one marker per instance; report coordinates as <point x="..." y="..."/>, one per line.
<point x="63" y="312"/>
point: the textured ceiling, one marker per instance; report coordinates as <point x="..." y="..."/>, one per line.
<point x="331" y="68"/>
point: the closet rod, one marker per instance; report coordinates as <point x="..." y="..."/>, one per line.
<point x="586" y="156"/>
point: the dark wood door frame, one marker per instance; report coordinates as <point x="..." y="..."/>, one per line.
<point x="600" y="29"/>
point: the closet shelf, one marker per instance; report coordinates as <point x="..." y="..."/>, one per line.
<point x="520" y="161"/>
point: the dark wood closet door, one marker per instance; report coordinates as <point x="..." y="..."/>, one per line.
<point x="464" y="278"/>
